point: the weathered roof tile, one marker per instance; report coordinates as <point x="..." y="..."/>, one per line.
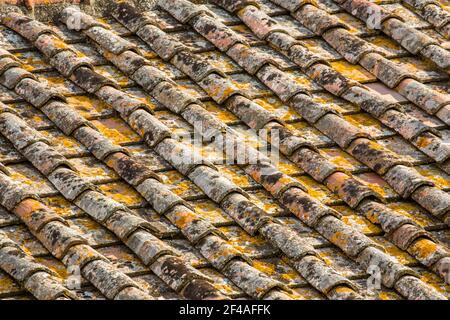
<point x="333" y="183"/>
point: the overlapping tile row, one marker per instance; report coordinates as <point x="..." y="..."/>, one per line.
<point x="39" y="280"/>
<point x="413" y="40"/>
<point x="147" y="183"/>
<point x="350" y="190"/>
<point x="291" y="197"/>
<point x="395" y="170"/>
<point x="357" y="50"/>
<point x="117" y="130"/>
<point x="316" y="67"/>
<point x="254" y="282"/>
<point x="253" y="219"/>
<point x="133" y="230"/>
<point x="52" y="230"/>
<point x="433" y="12"/>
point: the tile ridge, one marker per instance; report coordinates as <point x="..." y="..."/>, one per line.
<point x="36" y="278"/>
<point x="173" y="7"/>
<point x="61" y="240"/>
<point x="357" y="50"/>
<point x="433" y="12"/>
<point x="250" y="217"/>
<point x="335" y="179"/>
<point x="140" y="177"/>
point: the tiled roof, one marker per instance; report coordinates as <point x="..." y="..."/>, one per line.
<point x="102" y="117"/>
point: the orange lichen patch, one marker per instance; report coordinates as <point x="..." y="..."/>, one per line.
<point x="352" y="71"/>
<point x="246" y="82"/>
<point x="116" y="130"/>
<point x="183" y="218"/>
<point x="377" y="184"/>
<point x="123" y="193"/>
<point x="28" y="206"/>
<point x="220" y="112"/>
<point x="357" y="222"/>
<point x="355" y="25"/>
<point x="302" y="79"/>
<point x="262" y="199"/>
<point x="32" y="115"/>
<point x="306" y="293"/>
<point x="285" y="165"/>
<point x="250" y="137"/>
<point x="93" y="232"/>
<point x="343" y="290"/>
<point x="145" y="98"/>
<point x="113" y="73"/>
<point x="32" y="61"/>
<point x="180" y="185"/>
<point x="414" y="212"/>
<point x="7" y="285"/>
<point x="177" y="124"/>
<point x="245" y="243"/>
<point x="423" y="248"/>
<point x="54" y="265"/>
<point x="338" y="105"/>
<point x="440" y="178"/>
<point x="88" y="106"/>
<point x="318" y="191"/>
<point x="277" y="269"/>
<point x="419" y="67"/>
<point x="62" y="143"/>
<point x="337" y="239"/>
<point x="311" y="134"/>
<point x="386" y="44"/>
<point x="434" y="281"/>
<point x="220" y="61"/>
<point x="25" y="240"/>
<point x="210" y="211"/>
<point x="319" y="47"/>
<point x="52" y="81"/>
<point x="93" y="170"/>
<point x="278" y="108"/>
<point x="423" y="141"/>
<point x="62" y="207"/>
<point x="29" y="176"/>
<point x="362" y="225"/>
<point x="209" y="151"/>
<point x="245" y="32"/>
<point x="388" y="295"/>
<point x="368" y="123"/>
<point x="402" y="256"/>
<point x="169" y="70"/>
<point x="236" y="175"/>
<point x="191" y="88"/>
<point x="342" y="159"/>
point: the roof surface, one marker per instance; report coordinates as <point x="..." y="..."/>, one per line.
<point x="131" y="167"/>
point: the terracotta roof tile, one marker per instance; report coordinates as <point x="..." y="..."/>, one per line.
<point x="104" y="117"/>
